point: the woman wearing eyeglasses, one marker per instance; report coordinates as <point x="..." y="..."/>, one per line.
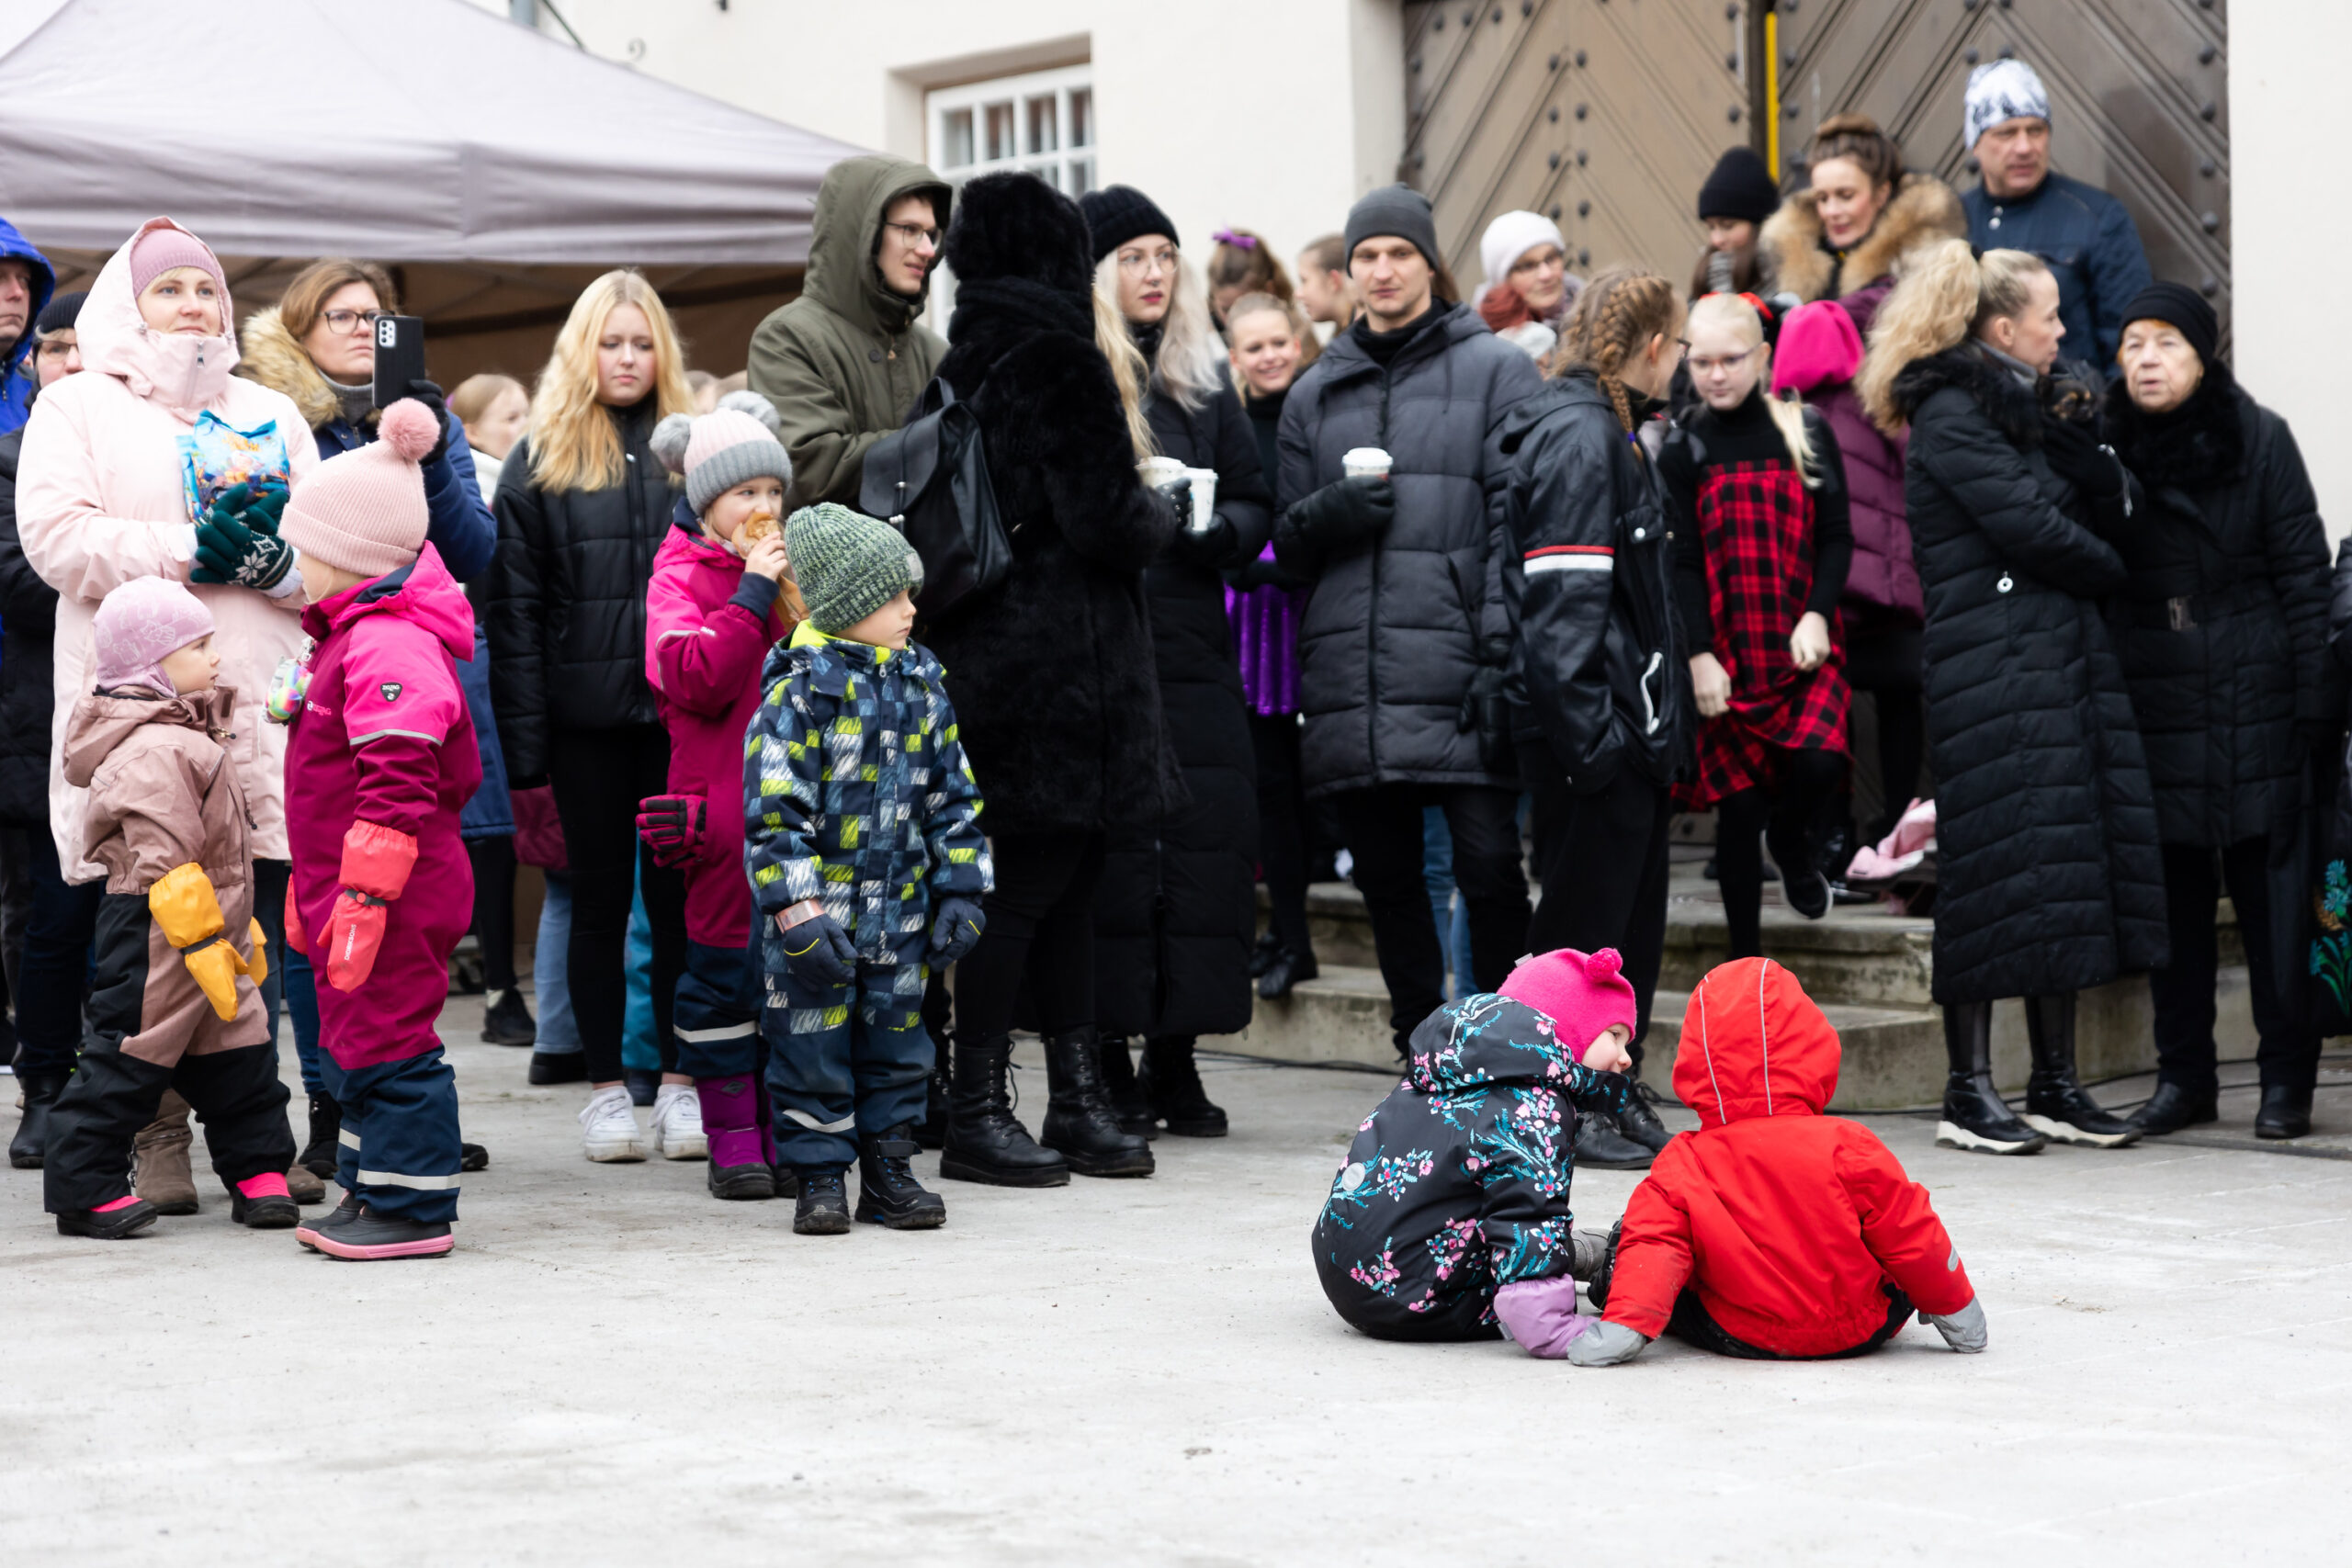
<point x="318" y="346"/>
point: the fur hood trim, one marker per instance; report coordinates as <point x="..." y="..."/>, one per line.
<point x="1018" y="227"/>
<point x="1924" y="209"/>
<point x="271" y="356"/>
<point x="2202" y="448"/>
<point x="2014" y="408"/>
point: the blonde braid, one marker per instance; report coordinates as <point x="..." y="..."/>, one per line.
<point x="1617" y="313"/>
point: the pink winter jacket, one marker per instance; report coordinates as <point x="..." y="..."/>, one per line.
<point x="100" y="501"/>
<point x="385" y="737"/>
<point x="708" y="630"/>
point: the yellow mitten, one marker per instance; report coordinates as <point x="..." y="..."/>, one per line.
<point x="184" y="904"/>
<point x="259" y="968"/>
<point x="216" y="967"/>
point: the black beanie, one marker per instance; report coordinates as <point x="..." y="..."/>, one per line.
<point x="2182" y="307"/>
<point x="1395" y="210"/>
<point x="1116" y="214"/>
<point x="60" y="314"/>
<point x="1740" y="186"/>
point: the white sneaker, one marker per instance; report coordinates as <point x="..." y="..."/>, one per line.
<point x="677" y="1124"/>
<point x="608" y="1127"/>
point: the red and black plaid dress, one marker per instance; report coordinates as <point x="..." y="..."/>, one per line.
<point x="1766" y="549"/>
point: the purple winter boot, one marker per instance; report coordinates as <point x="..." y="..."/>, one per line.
<point x="732" y="1124"/>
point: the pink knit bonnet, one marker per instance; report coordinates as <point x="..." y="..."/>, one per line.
<point x="138" y="626"/>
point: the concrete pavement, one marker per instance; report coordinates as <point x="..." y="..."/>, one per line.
<point x="615" y="1369"/>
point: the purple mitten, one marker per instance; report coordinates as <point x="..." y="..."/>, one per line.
<point x="1542" y="1316"/>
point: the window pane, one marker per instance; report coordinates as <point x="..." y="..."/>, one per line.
<point x="1045" y="124"/>
<point x="1081" y="175"/>
<point x="1082" y="117"/>
<point x="956" y="139"/>
<point x="1000" y="132"/>
<point x="1048" y="171"/>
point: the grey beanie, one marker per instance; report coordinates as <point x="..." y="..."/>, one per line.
<point x="848" y="565"/>
<point x="734" y="442"/>
<point x="1395" y="210"/>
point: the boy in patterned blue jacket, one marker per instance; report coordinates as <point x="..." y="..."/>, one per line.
<point x="864" y="852"/>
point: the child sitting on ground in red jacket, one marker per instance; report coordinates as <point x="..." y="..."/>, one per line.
<point x="721" y="596"/>
<point x="1773" y="1232"/>
<point x="380" y="761"/>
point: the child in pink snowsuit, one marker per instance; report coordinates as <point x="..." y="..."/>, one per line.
<point x="718" y="601"/>
<point x="381" y="760"/>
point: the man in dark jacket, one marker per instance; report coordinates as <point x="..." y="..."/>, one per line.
<point x="2081" y="231"/>
<point x="1406" y="634"/>
<point x="845" y="361"/>
<point x="27" y="280"/>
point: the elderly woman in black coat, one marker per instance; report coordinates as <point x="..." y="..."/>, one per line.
<point x="2049" y="876"/>
<point x="1177" y="906"/>
<point x="2222" y="630"/>
<point x="1057" y="698"/>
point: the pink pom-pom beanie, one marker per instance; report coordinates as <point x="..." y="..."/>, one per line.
<point x="137" y="625"/>
<point x="1581" y="995"/>
<point x="364" y="510"/>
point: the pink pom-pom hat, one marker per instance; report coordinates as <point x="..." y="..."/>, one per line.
<point x="362" y="511"/>
<point x="1581" y="994"/>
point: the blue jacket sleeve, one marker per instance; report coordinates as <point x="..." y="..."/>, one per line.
<point x="784" y="761"/>
<point x="950" y="807"/>
<point x="456" y="522"/>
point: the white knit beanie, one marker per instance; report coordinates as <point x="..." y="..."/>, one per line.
<point x="1511" y="236"/>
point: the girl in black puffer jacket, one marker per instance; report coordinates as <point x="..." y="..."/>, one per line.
<point x="2050" y="879"/>
<point x="582" y="504"/>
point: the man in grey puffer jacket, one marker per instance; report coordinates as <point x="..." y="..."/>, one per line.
<point x="1404" y="636"/>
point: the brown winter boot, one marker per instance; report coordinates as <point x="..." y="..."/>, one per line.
<point x="303" y="1186"/>
<point x="159" y="1171"/>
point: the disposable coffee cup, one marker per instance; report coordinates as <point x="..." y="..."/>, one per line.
<point x="1160" y="471"/>
<point x="1203" y="498"/>
<point x="1365" y="463"/>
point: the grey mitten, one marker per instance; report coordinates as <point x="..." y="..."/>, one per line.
<point x="1962" y="1330"/>
<point x="1606" y="1345"/>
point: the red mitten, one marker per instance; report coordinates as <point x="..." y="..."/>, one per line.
<point x="294" y="937"/>
<point x="377" y="859"/>
<point x="355" y="932"/>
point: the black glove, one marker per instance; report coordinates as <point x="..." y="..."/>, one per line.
<point x="1208" y="549"/>
<point x="1484" y="708"/>
<point x="1178" y="494"/>
<point x="428" y="394"/>
<point x="1345" y="513"/>
<point x="953" y="931"/>
<point x="2076" y="456"/>
<point x="1261" y="572"/>
<point x="818" y="952"/>
<point x="237" y="542"/>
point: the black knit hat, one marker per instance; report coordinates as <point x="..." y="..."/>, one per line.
<point x="1740" y="186"/>
<point x="60" y="314"/>
<point x="1395" y="210"/>
<point x="1116" y="214"/>
<point x="2182" y="307"/>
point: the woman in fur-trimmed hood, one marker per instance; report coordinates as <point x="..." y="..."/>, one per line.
<point x="1842" y="239"/>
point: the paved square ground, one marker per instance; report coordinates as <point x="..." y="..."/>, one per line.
<point x="614" y="1369"/>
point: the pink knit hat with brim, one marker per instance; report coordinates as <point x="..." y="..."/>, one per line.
<point x="1581" y="995"/>
<point x="137" y="624"/>
<point x="362" y="511"/>
<point x="159" y="249"/>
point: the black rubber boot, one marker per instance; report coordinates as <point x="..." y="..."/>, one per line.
<point x="507" y="1021"/>
<point x="1596" y="1289"/>
<point x="343" y="1215"/>
<point x="985" y="1142"/>
<point x="1171" y="1084"/>
<point x="472" y="1156"/>
<point x="2286" y="1112"/>
<point x="931" y="1131"/>
<point x="2056" y="1104"/>
<point x="112" y="1225"/>
<point x="317" y="1155"/>
<point x="823" y="1208"/>
<point x="888" y="1193"/>
<point x="26" y="1150"/>
<point x="1264" y="952"/>
<point x="1284" y="972"/>
<point x="368" y="1236"/>
<point x="1127" y="1100"/>
<point x="2172" y="1108"/>
<point x="1975" y="1117"/>
<point x="267" y="1213"/>
<point x="1080" y="1124"/>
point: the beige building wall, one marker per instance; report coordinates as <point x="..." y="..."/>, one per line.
<point x="2290" y="226"/>
<point x="1271" y="114"/>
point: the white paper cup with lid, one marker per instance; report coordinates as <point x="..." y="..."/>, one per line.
<point x="1365" y="463"/>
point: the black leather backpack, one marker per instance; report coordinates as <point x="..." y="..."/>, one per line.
<point x="929" y="480"/>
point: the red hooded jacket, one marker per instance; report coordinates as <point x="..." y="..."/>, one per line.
<point x="1785" y="1221"/>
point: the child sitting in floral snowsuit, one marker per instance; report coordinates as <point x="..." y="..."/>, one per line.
<point x="1451" y="1211"/>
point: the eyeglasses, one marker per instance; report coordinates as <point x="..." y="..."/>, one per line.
<point x="350" y="321"/>
<point x="1163" y="258"/>
<point x="914" y="233"/>
<point x="53" y="348"/>
<point x="1709" y="366"/>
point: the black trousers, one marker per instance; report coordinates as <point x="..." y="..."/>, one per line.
<point x="1382" y="828"/>
<point x="1886" y="662"/>
<point x="1282" y="827"/>
<point x="1694" y="1325"/>
<point x="1805" y="781"/>
<point x="599" y="775"/>
<point x="2182" y="993"/>
<point x="53" y="972"/>
<point x="1602" y="860"/>
<point x="493" y="860"/>
<point x="1040" y="933"/>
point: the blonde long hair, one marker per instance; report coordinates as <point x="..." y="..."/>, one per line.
<point x="1615" y="317"/>
<point x="1191" y="358"/>
<point x="1128" y="372"/>
<point x="1943" y="296"/>
<point x="1738" y="317"/>
<point x="574" y="444"/>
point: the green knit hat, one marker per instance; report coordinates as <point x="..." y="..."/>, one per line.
<point x="848" y="565"/>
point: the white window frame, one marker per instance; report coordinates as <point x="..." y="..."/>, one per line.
<point x="1072" y="169"/>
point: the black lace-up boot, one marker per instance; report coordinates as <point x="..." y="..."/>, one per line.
<point x="888" y="1193"/>
<point x="985" y="1142"/>
<point x="1080" y="1124"/>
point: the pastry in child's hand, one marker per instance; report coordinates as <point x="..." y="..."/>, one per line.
<point x="758" y="526"/>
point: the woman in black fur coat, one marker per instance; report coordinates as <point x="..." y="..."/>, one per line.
<point x="2222" y="631"/>
<point x="1057" y="697"/>
<point x="2049" y="879"/>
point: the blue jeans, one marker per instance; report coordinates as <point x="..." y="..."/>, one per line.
<point x="559" y="1032"/>
<point x="1451" y="913"/>
<point x="640" y="1051"/>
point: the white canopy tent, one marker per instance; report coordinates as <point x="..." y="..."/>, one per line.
<point x="496" y="168"/>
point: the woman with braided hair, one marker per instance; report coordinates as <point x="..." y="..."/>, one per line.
<point x="1596" y="683"/>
